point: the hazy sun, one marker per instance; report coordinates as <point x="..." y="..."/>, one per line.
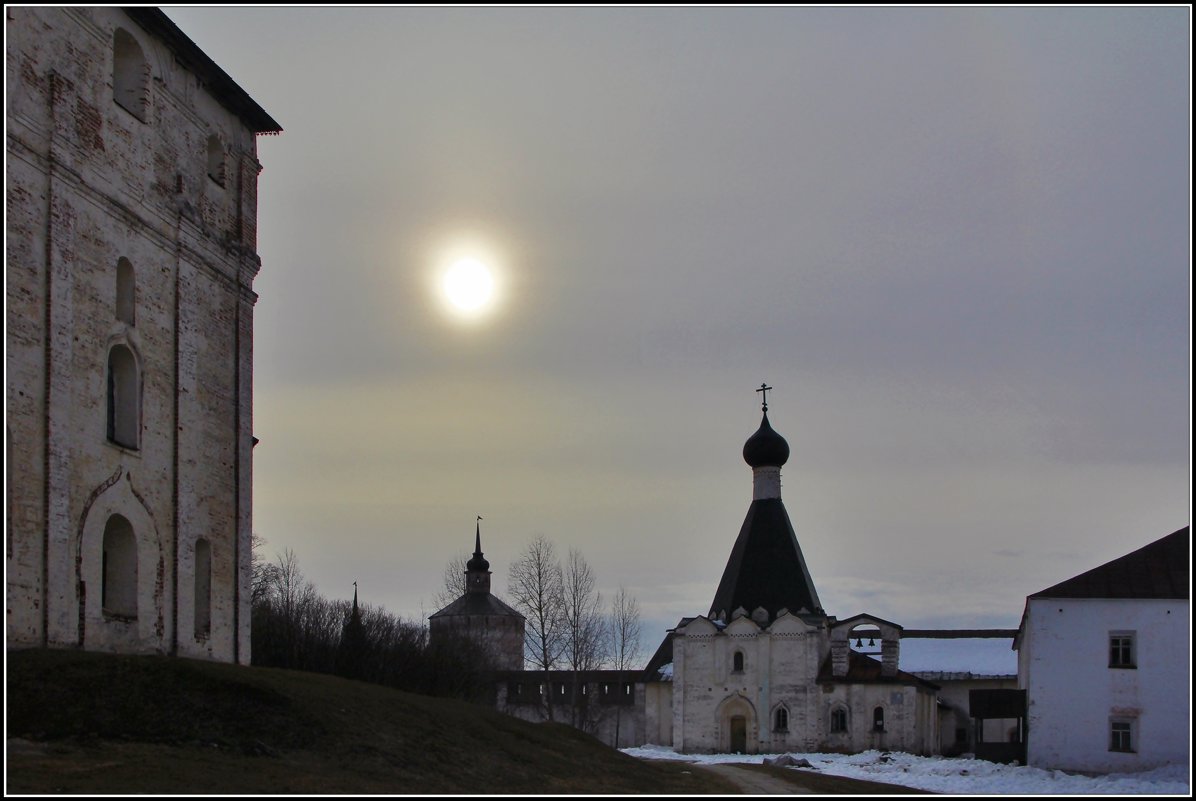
<point x="468" y="286"/>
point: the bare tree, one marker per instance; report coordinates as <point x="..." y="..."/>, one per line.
<point x="265" y="574"/>
<point x="536" y="586"/>
<point x="584" y="623"/>
<point x="625" y="635"/>
<point x="455" y="583"/>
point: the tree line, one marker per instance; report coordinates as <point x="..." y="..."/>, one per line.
<point x="568" y="627"/>
<point x="295" y="627"/>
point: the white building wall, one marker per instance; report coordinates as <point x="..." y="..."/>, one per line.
<point x="1072" y="693"/>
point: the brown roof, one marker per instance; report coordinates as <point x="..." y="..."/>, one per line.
<point x="1159" y="570"/>
<point x="866" y="670"/>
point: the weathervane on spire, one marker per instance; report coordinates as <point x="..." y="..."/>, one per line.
<point x="763" y="390"/>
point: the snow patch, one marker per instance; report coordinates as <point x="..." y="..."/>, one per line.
<point x="957" y="776"/>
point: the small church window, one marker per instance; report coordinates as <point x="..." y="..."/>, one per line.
<point x="130" y="74"/>
<point x="126" y="292"/>
<point x="118" y="580"/>
<point x="878" y="719"/>
<point x="738" y="662"/>
<point x="124" y="401"/>
<point x="203" y="587"/>
<point x="782" y="719"/>
<point x="839" y="720"/>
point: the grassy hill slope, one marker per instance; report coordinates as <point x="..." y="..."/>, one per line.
<point x="101" y="723"/>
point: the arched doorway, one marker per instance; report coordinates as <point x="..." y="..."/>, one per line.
<point x="738" y="734"/>
<point x="737" y="726"/>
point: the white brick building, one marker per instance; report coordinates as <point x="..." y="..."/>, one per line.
<point x="131" y="254"/>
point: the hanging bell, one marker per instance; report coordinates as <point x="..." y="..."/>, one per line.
<point x="871" y="642"/>
<point x="859" y="642"/>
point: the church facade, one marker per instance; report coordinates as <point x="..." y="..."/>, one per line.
<point x="131" y="254"/>
<point x="767" y="670"/>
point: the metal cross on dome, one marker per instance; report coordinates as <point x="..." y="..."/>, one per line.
<point x="763" y="390"/>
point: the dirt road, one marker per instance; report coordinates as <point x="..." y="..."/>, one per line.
<point x="753" y="782"/>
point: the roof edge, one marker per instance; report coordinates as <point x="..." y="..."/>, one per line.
<point x="219" y="83"/>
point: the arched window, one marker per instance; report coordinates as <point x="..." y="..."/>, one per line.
<point x="126" y="292"/>
<point x="130" y="74"/>
<point x="216" y="159"/>
<point x="203" y="587"/>
<point x="781" y="719"/>
<point x="878" y="719"/>
<point x="737" y="662"/>
<point x="118" y="583"/>
<point x="124" y="397"/>
<point x="839" y="720"/>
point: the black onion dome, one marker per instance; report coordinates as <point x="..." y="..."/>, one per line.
<point x="766" y="448"/>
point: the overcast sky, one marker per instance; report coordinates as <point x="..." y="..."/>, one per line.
<point x="955" y="241"/>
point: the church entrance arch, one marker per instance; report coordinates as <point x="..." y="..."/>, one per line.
<point x="737" y="726"/>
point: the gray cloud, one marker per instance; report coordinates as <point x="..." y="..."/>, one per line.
<point x="956" y="241"/>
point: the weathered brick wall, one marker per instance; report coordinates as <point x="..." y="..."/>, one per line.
<point x="89" y="183"/>
<point x="501" y="635"/>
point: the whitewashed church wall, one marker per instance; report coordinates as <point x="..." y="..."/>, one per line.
<point x="908" y="724"/>
<point x="658" y="713"/>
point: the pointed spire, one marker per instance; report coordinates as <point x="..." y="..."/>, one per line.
<point x="478" y="563"/>
<point x="354" y="599"/>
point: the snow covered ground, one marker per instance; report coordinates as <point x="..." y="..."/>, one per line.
<point x="960" y="776"/>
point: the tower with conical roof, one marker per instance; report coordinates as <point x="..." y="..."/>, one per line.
<point x="766" y="569"/>
<point x="480" y="616"/>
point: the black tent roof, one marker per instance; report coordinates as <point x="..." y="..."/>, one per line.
<point x="766" y="567"/>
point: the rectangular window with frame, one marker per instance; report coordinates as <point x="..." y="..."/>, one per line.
<point x="1121" y="736"/>
<point x="1122" y="651"/>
